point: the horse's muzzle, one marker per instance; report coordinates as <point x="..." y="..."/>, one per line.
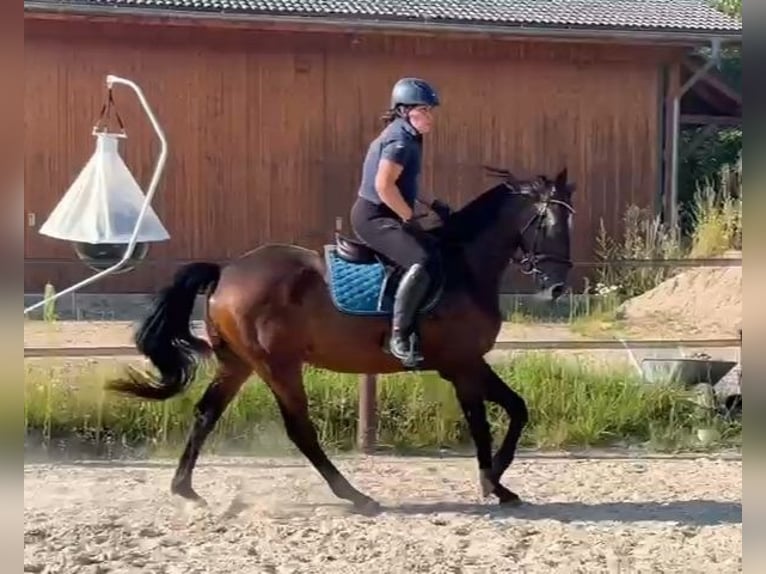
<point x="551" y="293"/>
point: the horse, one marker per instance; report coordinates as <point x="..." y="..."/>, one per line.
<point x="280" y="307"/>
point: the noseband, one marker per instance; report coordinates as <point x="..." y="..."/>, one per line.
<point x="529" y="262"/>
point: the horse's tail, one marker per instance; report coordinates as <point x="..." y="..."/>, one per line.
<point x="165" y="336"/>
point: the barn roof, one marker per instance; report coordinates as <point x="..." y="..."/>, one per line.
<point x="647" y="16"/>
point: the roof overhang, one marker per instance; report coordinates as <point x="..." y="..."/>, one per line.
<point x="710" y="101"/>
<point x="357" y="24"/>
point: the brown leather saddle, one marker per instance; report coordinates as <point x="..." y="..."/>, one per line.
<point x="355" y="251"/>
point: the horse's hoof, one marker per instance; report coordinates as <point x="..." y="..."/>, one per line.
<point x="367" y="506"/>
<point x="509" y="499"/>
<point x="187" y="492"/>
<point x="486" y="485"/>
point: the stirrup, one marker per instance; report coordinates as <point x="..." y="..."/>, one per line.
<point x="413" y="357"/>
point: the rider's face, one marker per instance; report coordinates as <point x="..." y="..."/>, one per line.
<point x="422" y="118"/>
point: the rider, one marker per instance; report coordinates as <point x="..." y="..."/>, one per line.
<point x="382" y="215"/>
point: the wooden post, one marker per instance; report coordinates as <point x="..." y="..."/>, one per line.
<point x="673" y="87"/>
<point x="368" y="420"/>
<point x="368" y="384"/>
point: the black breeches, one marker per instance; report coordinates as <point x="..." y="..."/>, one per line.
<point x="381" y="229"/>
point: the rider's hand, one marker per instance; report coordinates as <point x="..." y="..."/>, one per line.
<point x="441" y="209"/>
<point x="412" y="224"/>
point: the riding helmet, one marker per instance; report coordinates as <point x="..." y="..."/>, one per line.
<point x="413" y="92"/>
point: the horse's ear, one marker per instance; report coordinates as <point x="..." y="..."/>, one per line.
<point x="498" y="172"/>
<point x="561" y="178"/>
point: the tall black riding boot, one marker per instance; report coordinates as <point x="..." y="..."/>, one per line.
<point x="412" y="288"/>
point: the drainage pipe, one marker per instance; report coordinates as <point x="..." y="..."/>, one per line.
<point x="714" y="60"/>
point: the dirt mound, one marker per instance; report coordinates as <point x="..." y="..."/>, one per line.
<point x="705" y="301"/>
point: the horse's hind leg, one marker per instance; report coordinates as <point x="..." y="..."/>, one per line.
<point x="286" y="382"/>
<point x="231" y="374"/>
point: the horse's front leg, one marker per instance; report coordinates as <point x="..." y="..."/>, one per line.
<point x="516" y="409"/>
<point x="470" y="389"/>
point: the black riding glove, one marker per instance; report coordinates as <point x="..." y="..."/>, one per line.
<point x="441" y="209"/>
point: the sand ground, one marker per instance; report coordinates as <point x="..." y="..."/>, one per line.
<point x="277" y="516"/>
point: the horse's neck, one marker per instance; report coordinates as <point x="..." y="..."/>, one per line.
<point x="486" y="255"/>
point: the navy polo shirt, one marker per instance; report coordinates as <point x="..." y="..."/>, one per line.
<point x="400" y="143"/>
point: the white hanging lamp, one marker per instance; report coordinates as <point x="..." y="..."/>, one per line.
<point x="99" y="212"/>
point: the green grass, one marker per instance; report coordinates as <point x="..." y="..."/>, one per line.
<point x="571" y="406"/>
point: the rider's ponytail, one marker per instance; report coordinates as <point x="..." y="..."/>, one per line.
<point x="389" y="116"/>
<point x="394" y="113"/>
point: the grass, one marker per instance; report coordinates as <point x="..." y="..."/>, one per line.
<point x="571" y="406"/>
<point x="597" y="324"/>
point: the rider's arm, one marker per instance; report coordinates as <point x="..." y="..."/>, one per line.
<point x="390" y="166"/>
<point x="425" y="197"/>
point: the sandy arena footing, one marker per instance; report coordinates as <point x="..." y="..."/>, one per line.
<point x="277" y="516"/>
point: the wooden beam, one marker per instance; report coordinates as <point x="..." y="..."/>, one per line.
<point x="673" y="86"/>
<point x="706" y="120"/>
<point x="715" y="82"/>
<point x="714" y="98"/>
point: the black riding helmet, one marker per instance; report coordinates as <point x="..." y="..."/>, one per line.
<point x="413" y="92"/>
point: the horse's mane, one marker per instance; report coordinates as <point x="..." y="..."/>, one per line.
<point x="474" y="217"/>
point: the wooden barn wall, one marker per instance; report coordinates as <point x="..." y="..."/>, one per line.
<point x="267" y="129"/>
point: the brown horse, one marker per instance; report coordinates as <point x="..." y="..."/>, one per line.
<point x="280" y="307"/>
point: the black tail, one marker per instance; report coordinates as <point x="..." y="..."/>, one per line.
<point x="165" y="336"/>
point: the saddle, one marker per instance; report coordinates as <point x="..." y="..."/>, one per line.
<point x="364" y="282"/>
<point x="355" y="251"/>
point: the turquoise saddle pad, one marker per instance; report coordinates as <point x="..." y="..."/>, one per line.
<point x="356" y="288"/>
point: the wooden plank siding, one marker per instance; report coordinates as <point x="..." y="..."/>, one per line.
<point x="267" y="129"/>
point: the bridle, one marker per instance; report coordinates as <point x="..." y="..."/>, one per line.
<point x="529" y="262"/>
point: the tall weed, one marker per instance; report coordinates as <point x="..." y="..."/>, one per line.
<point x="644" y="236"/>
<point x="716" y="218"/>
<point x="717" y="215"/>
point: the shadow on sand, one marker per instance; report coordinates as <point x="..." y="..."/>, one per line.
<point x="684" y="512"/>
<point x="690" y="512"/>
